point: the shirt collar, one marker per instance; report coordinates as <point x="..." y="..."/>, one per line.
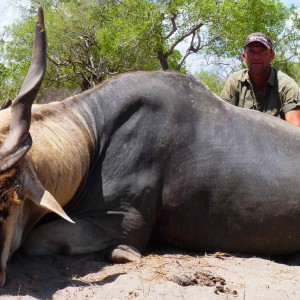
<point x="271" y="80"/>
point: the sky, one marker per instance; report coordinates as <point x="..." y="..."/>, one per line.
<point x="289" y="2"/>
<point x="6" y="14"/>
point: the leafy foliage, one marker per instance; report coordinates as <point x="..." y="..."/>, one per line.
<point x="131" y="34"/>
<point x="89" y="40"/>
<point x="212" y="80"/>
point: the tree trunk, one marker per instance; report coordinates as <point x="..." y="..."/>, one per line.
<point x="163" y="60"/>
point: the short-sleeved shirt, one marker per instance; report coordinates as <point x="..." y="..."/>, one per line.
<point x="282" y="93"/>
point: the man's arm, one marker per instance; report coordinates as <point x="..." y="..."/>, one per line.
<point x="293" y="116"/>
<point x="229" y="91"/>
<point x="289" y="92"/>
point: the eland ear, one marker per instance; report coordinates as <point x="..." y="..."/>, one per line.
<point x="36" y="192"/>
<point x="48" y="201"/>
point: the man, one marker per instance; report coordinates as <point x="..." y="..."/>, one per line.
<point x="262" y="87"/>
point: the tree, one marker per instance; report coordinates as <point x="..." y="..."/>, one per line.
<point x="155" y="29"/>
<point x="89" y="40"/>
<point x="212" y="80"/>
<point x="74" y="58"/>
<point x="4" y="75"/>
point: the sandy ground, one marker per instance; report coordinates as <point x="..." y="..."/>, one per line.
<point x="161" y="274"/>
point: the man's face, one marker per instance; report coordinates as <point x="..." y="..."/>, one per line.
<point x="258" y="58"/>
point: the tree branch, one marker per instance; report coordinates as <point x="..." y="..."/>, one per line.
<point x="180" y="39"/>
<point x="174" y="27"/>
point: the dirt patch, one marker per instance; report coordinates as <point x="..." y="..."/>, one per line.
<point x="165" y="274"/>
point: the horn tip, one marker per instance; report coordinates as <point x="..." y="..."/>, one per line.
<point x="40" y="16"/>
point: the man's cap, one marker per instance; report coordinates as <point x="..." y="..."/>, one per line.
<point x="261" y="38"/>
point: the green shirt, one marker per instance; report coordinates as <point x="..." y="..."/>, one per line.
<point x="281" y="93"/>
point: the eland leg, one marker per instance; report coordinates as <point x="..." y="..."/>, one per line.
<point x="62" y="237"/>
